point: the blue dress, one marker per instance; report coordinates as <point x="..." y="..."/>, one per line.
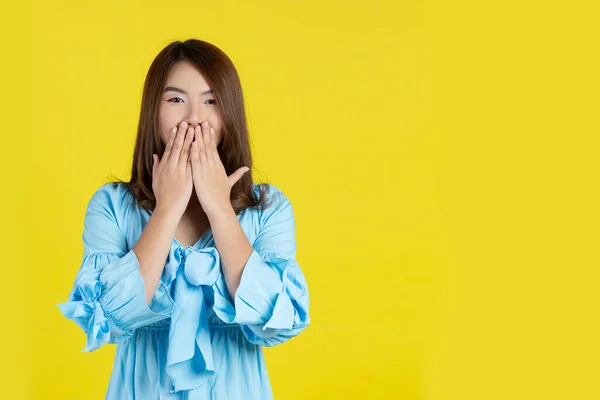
<point x="192" y="341"/>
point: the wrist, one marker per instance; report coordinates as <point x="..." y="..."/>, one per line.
<point x="220" y="213"/>
<point x="167" y="215"/>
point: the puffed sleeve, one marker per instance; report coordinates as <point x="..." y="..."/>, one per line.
<point x="271" y="303"/>
<point x="108" y="297"/>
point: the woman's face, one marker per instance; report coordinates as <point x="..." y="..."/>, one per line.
<point x="186" y="97"/>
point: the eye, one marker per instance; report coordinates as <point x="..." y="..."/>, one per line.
<point x="213" y="100"/>
<point x="175" y="98"/>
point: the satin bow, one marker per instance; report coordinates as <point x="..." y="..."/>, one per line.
<point x="189" y="355"/>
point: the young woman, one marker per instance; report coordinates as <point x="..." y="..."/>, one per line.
<point x="189" y="267"/>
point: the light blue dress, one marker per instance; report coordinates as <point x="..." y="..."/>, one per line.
<point x="192" y="341"/>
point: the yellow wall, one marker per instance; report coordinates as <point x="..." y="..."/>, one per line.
<point x="441" y="156"/>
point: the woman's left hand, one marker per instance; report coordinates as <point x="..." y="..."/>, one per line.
<point x="211" y="183"/>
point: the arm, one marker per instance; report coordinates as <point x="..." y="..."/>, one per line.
<point x="233" y="245"/>
<point x="268" y="288"/>
<point x="108" y="299"/>
<point x="153" y="248"/>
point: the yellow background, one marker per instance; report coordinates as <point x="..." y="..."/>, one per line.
<point x="441" y="157"/>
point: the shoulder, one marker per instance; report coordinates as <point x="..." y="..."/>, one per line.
<point x="110" y="199"/>
<point x="111" y="194"/>
<point x="276" y="200"/>
<point x="105" y="227"/>
<point x="274" y="195"/>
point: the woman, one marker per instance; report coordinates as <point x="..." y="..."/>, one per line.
<point x="189" y="267"/>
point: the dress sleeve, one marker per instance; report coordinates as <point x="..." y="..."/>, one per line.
<point x="108" y="298"/>
<point x="271" y="303"/>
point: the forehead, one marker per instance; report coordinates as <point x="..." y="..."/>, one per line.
<point x="186" y="76"/>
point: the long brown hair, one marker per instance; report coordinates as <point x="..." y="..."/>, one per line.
<point x="222" y="77"/>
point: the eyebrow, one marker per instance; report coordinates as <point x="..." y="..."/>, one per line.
<point x="176" y="89"/>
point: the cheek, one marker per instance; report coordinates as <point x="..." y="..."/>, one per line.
<point x="167" y="121"/>
<point x="218" y="134"/>
<point x="218" y="127"/>
<point x="164" y="133"/>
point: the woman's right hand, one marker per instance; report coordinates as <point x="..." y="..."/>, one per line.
<point x="172" y="175"/>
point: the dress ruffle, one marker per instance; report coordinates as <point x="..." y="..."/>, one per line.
<point x="108" y="299"/>
<point x="87" y="312"/>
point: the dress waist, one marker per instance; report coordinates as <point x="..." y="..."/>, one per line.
<point x="214" y="322"/>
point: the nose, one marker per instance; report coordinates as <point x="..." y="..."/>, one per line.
<point x="195" y="116"/>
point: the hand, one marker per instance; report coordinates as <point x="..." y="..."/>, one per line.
<point x="211" y="183"/>
<point x="172" y="175"/>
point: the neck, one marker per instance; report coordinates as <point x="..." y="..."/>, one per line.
<point x="194" y="205"/>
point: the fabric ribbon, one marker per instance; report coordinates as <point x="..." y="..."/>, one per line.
<point x="189" y="355"/>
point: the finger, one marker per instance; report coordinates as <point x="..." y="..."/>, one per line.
<point x="194" y="156"/>
<point x="213" y="145"/>
<point x="200" y="142"/>
<point x="154" y="165"/>
<point x="178" y="144"/>
<point x="184" y="159"/>
<point x="206" y="135"/>
<point x="237" y="175"/>
<point x="167" y="152"/>
<point x="206" y="141"/>
<point x="197" y="135"/>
